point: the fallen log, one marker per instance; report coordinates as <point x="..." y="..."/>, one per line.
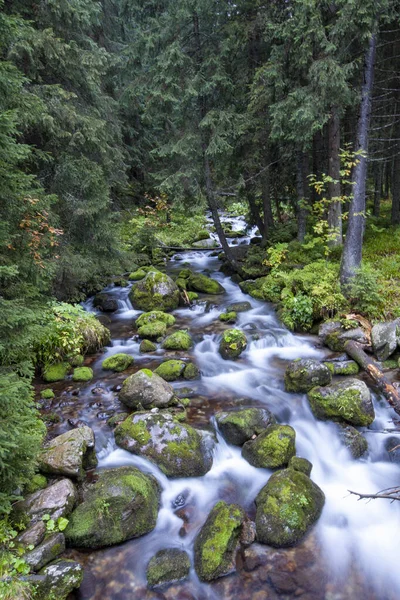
<point x="370" y="365"/>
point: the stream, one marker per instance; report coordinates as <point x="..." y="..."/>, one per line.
<point x="353" y="550"/>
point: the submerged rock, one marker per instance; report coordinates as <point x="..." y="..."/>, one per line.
<point x="167" y="566"/>
<point x="232" y="344"/>
<point x="156" y="291"/>
<point x="117" y="362"/>
<point x="180" y="340"/>
<point x="384" y="339"/>
<point x="239" y="307"/>
<point x="354" y="441"/>
<point x="287" y="507"/>
<point x="146" y="389"/>
<point x="57" y="500"/>
<point x="70" y="453"/>
<point x="105" y="302"/>
<point x="392" y="445"/>
<point x="178" y="450"/>
<point x="303" y="374"/>
<point x="60" y="579"/>
<point x="122" y="504"/>
<point x="348" y="401"/>
<point x="238" y="427"/>
<point x="217" y="542"/>
<point x="273" y="448"/>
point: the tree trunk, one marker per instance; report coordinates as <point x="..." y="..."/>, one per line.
<point x="396" y="174"/>
<point x="392" y="395"/>
<point x="352" y="251"/>
<point x="377" y="189"/>
<point x="254" y="211"/>
<point x="267" y="208"/>
<point x="335" y="206"/>
<point x="301" y="198"/>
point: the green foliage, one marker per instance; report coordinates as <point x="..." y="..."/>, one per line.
<point x="365" y="293"/>
<point x="52" y="525"/>
<point x="12" y="565"/>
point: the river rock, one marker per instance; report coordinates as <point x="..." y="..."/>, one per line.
<point x="177" y="449"/>
<point x="384" y="339"/>
<point x="342" y="367"/>
<point x="70" y="453"/>
<point x="48" y="550"/>
<point x="60" y="579"/>
<point x="273" y="448"/>
<point x="217" y="542"/>
<point x="300" y="464"/>
<point x="57" y="500"/>
<point x="156" y="291"/>
<point x="201" y="283"/>
<point x="239" y="307"/>
<point x="55" y="372"/>
<point x="354" y="441"/>
<point x="239" y="426"/>
<point x="179" y="340"/>
<point x="167" y="566"/>
<point x="392" y="445"/>
<point x="287" y="507"/>
<point x="154" y="324"/>
<point x="33" y="535"/>
<point x="105" y="302"/>
<point x="348" y="401"/>
<point x="147" y="390"/>
<point x="82" y="374"/>
<point x="117" y="362"/>
<point x="303" y="374"/>
<point x="170" y="370"/>
<point x="120" y="505"/>
<point x="146" y="346"/>
<point x="334" y="335"/>
<point x="232" y="344"/>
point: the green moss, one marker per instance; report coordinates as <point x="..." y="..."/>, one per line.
<point x="77" y="360"/>
<point x="147" y="346"/>
<point x="232" y="344"/>
<point x="304" y="374"/>
<point x="181" y="283"/>
<point x="47" y="394"/>
<point x="136" y="430"/>
<point x="155" y="315"/>
<point x="201" y="283"/>
<point x="117" y="419"/>
<point x="192" y="296"/>
<point x="342" y="402"/>
<point x="180" y="340"/>
<point x="117" y="362"/>
<point x="348" y="367"/>
<point x="300" y="464"/>
<point x="229" y="316"/>
<point x="191" y="372"/>
<point x="38" y="482"/>
<point x="137" y="275"/>
<point x="156" y="291"/>
<point x="82" y="374"/>
<point x="390" y="364"/>
<point x="167" y="566"/>
<point x="56" y="372"/>
<point x="184" y="401"/>
<point x="273" y="448"/>
<point x="148" y="372"/>
<point x="171" y="370"/>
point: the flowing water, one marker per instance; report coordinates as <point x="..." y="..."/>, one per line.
<point x="352" y="552"/>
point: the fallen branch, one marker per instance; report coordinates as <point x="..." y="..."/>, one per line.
<point x="392" y="395"/>
<point x="388" y="494"/>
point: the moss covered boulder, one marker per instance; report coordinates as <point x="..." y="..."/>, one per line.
<point x="201" y="283"/>
<point x="70" y="453"/>
<point x="56" y="372"/>
<point x="287" y="507"/>
<point x="191" y="372"/>
<point x="58" y="580"/>
<point x="146" y="389"/>
<point x="305" y="373"/>
<point x="156" y="291"/>
<point x="171" y="370"/>
<point x="273" y="448"/>
<point x="348" y="401"/>
<point x="147" y="346"/>
<point x="47" y="394"/>
<point x="228" y="317"/>
<point x="334" y="335"/>
<point x="240" y="426"/>
<point x="217" y="542"/>
<point x="120" y="505"/>
<point x="178" y="450"/>
<point x="354" y="441"/>
<point x="82" y="374"/>
<point x="167" y="566"/>
<point x="342" y="367"/>
<point x="179" y="340"/>
<point x="117" y="362"/>
<point x="154" y="324"/>
<point x="137" y="275"/>
<point x="232" y="344"/>
<point x="301" y="464"/>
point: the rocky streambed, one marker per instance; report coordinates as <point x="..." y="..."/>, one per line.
<point x="223" y="461"/>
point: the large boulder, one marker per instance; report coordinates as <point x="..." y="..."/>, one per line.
<point x="334" y="335"/>
<point x="105" y="302"/>
<point x="57" y="500"/>
<point x="303" y="374"/>
<point x="70" y="453"/>
<point x="156" y="291"/>
<point x="171" y="564"/>
<point x="287" y="507"/>
<point x="154" y="324"/>
<point x="217" y="542"/>
<point x="60" y="578"/>
<point x="146" y="389"/>
<point x="273" y="448"/>
<point x="348" y="401"/>
<point x="201" y="283"/>
<point x="177" y="449"/>
<point x="242" y="425"/>
<point x="232" y="344"/>
<point x="384" y="339"/>
<point x="120" y="505"/>
<point x="179" y="340"/>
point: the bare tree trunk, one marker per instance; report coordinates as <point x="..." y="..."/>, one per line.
<point x="352" y="251"/>
<point x="335" y="206"/>
<point x="301" y="198"/>
<point x="396" y="174"/>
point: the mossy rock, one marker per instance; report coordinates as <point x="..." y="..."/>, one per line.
<point x="192" y="296"/>
<point x="334" y="335"/>
<point x="146" y="389"/>
<point x="178" y="450"/>
<point x="348" y="401"/>
<point x="273" y="448"/>
<point x="117" y="419"/>
<point x="181" y="283"/>
<point x="137" y="275"/>
<point x="201" y="283"/>
<point x="287" y="507"/>
<point x="240" y="426"/>
<point x="156" y="291"/>
<point x="155" y="315"/>
<point x="301" y="464"/>
<point x="232" y="344"/>
<point x="58" y="579"/>
<point x="228" y="317"/>
<point x="120" y="282"/>
<point x="56" y="372"/>
<point x="77" y="360"/>
<point x="47" y="394"/>
<point x="154" y="330"/>
<point x="304" y="374"/>
<point x="167" y="566"/>
<point x="215" y="545"/>
<point x="117" y="362"/>
<point x="120" y="505"/>
<point x="191" y="372"/>
<point x="179" y="340"/>
<point x="239" y="307"/>
<point x="342" y="367"/>
<point x="146" y="346"/>
<point x="354" y="441"/>
<point x="171" y="370"/>
<point x="37" y="482"/>
<point x="82" y="374"/>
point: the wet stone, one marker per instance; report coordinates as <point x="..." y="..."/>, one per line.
<point x="167" y="566"/>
